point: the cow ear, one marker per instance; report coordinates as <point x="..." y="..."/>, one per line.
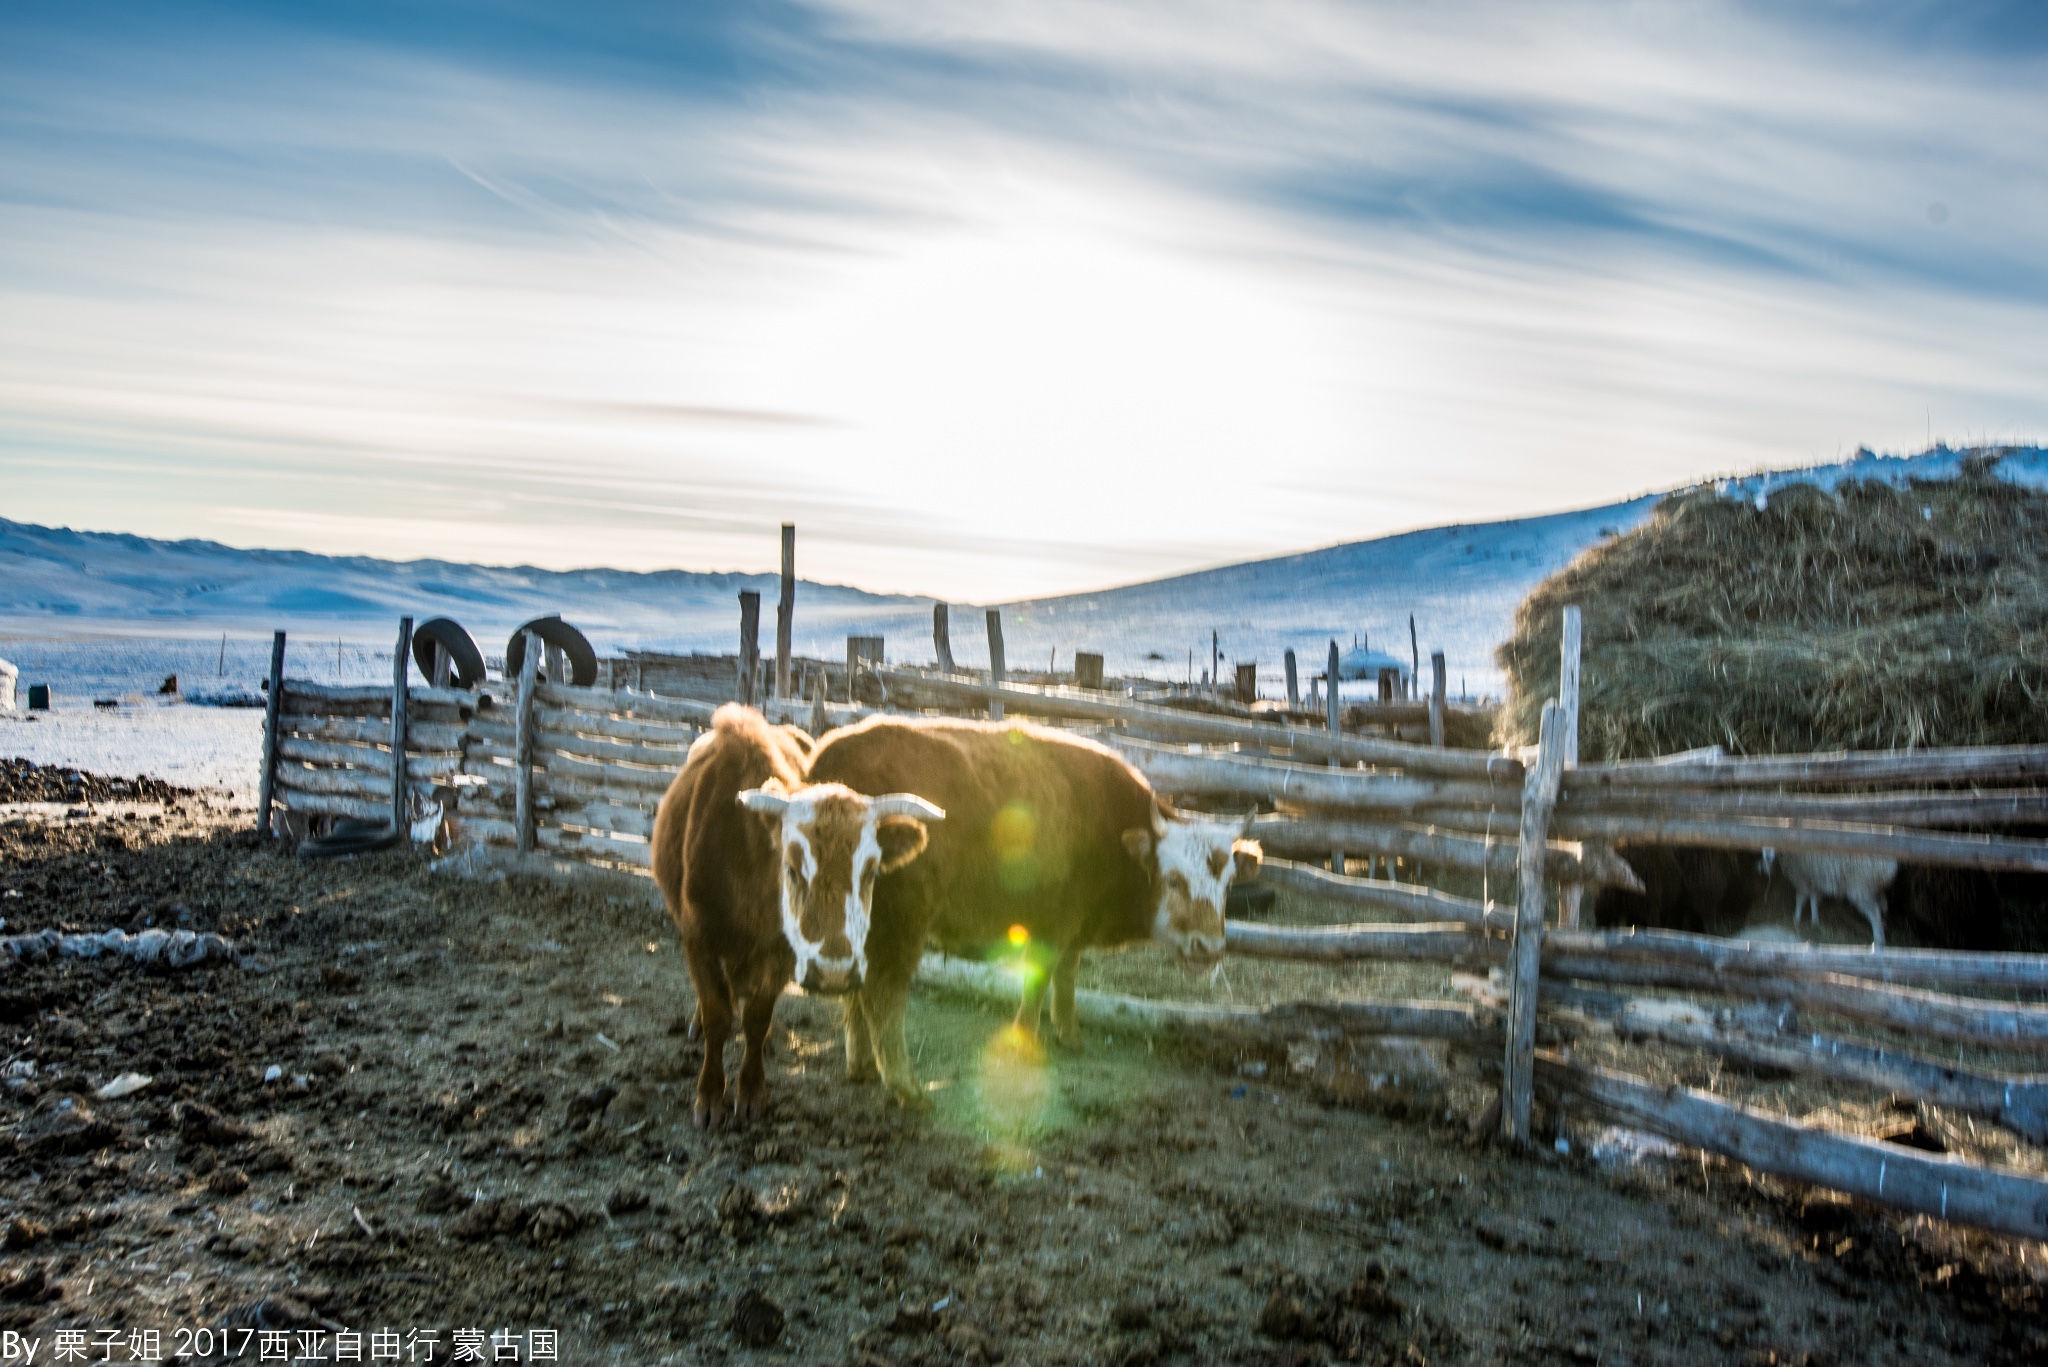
<point x="1247" y="855"/>
<point x="902" y="839"/>
<point x="1139" y="843"/>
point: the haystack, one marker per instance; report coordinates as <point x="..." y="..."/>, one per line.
<point x="1868" y="618"/>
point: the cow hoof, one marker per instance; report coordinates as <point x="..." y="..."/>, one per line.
<point x="911" y="1099"/>
<point x="749" y="1110"/>
<point x="708" y="1115"/>
<point x="1069" y="1041"/>
<point x="862" y="1072"/>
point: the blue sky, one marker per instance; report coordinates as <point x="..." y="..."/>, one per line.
<point x="993" y="299"/>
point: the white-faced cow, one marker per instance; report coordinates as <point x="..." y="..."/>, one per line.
<point x="1051" y="843"/>
<point x="769" y="879"/>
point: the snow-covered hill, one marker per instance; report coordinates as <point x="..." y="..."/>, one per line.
<point x="69" y="595"/>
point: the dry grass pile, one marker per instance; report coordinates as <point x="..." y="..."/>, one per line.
<point x="1868" y="618"/>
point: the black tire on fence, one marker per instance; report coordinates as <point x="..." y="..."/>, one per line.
<point x="556" y="632"/>
<point x="352" y="836"/>
<point x="465" y="660"/>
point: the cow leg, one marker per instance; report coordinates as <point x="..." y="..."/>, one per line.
<point x="885" y="999"/>
<point x="750" y="1100"/>
<point x="860" y="1041"/>
<point x="1066" y="1026"/>
<point x="714" y="1012"/>
<point x="1873" y="912"/>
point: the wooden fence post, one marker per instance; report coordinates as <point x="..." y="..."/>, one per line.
<point x="942" y="637"/>
<point x="1215" y="666"/>
<point x="1334" y="700"/>
<point x="750" y="646"/>
<point x="1539" y="791"/>
<point x="266" y="790"/>
<point x="818" y="721"/>
<point x="1414" y="661"/>
<point x="1569" y="898"/>
<point x="785" y="610"/>
<point x="522" y="745"/>
<point x="995" y="660"/>
<point x="1436" y="698"/>
<point x="1248" y="683"/>
<point x="1293" y="685"/>
<point x="401" y="669"/>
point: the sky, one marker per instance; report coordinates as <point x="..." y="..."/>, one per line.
<point x="992" y="300"/>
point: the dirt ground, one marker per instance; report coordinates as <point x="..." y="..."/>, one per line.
<point x="425" y="1105"/>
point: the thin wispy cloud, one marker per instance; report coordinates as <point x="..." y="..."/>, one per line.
<point x="997" y="299"/>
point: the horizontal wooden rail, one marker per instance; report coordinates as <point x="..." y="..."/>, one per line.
<point x="420" y="737"/>
<point x="1457" y="1022"/>
<point x="1953" y="849"/>
<point x="1912" y="1011"/>
<point x="1175" y="770"/>
<point x="1630" y="813"/>
<point x="2018" y="1103"/>
<point x="1313" y="837"/>
<point x="495" y="831"/>
<point x="1081" y="705"/>
<point x="1977" y="764"/>
<point x="1412" y="900"/>
<point x="1950" y="968"/>
<point x="1448" y="942"/>
<point x="1997" y="1199"/>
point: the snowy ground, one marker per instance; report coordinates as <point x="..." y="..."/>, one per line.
<point x="198" y="747"/>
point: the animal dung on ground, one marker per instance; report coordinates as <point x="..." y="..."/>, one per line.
<point x="756" y="1320"/>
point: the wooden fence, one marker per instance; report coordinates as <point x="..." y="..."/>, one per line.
<point x="568" y="780"/>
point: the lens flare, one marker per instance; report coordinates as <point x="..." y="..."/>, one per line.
<point x="1019" y="936"/>
<point x="1015" y="1084"/>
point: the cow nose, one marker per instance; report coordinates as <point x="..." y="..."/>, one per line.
<point x="1202" y="950"/>
<point x="830" y="978"/>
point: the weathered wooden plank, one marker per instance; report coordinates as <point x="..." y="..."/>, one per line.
<point x="1997" y="1199"/>
<point x="377" y="696"/>
<point x="1443" y="942"/>
<point x="1992" y="807"/>
<point x="1078" y="705"/>
<point x="575" y="721"/>
<point x="1457" y="1022"/>
<point x="1909" y="1010"/>
<point x="555" y="840"/>
<point x="654" y="781"/>
<point x="1313" y="837"/>
<point x="1174" y="770"/>
<point x="2018" y="1103"/>
<point x="273" y="700"/>
<point x="1976" y="764"/>
<point x="1409" y="899"/>
<point x="420" y="737"/>
<point x="522" y="763"/>
<point x="334" y="804"/>
<point x="607" y="816"/>
<point x="363" y="783"/>
<point x="669" y="759"/>
<point x="1950" y="968"/>
<point x="1525" y="960"/>
<point x="1954" y="849"/>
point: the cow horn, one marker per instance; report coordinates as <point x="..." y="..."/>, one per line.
<point x="907" y="804"/>
<point x="766" y="801"/>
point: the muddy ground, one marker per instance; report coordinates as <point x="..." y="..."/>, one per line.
<point x="428" y="1104"/>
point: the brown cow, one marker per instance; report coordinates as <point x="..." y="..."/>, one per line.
<point x="1050" y="840"/>
<point x="769" y="879"/>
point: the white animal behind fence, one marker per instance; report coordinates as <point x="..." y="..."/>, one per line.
<point x="1857" y="879"/>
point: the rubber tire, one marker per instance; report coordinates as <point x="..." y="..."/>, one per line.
<point x="556" y="632"/>
<point x="350" y="836"/>
<point x="466" y="661"/>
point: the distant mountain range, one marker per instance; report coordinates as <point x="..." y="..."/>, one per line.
<point x="1460" y="583"/>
